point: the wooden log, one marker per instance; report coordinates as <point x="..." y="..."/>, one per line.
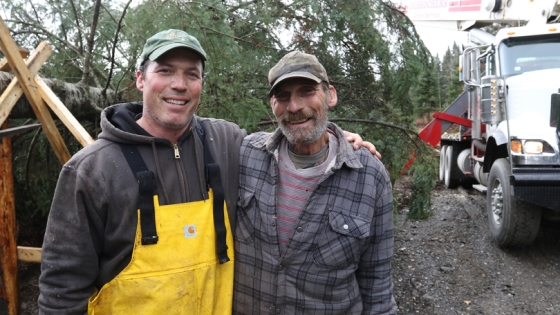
<point x="8" y="248"/>
<point x="27" y="83"/>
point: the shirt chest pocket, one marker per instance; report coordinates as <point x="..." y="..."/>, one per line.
<point x="340" y="243"/>
<point x="246" y="207"/>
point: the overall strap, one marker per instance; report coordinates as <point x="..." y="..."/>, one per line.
<point x="214" y="179"/>
<point x="147" y="189"/>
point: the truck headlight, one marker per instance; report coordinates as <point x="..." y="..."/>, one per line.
<point x="516" y="146"/>
<point x="533" y="147"/>
<point x="530" y="147"/>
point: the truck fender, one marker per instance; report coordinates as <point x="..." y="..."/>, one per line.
<point x="492" y="153"/>
<point x="500" y="137"/>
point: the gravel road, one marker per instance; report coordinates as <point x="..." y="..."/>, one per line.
<point x="448" y="263"/>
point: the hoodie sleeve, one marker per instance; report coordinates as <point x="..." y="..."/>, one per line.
<point x="69" y="258"/>
<point x="225" y="143"/>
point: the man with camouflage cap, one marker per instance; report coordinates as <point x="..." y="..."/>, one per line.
<point x="314" y="219"/>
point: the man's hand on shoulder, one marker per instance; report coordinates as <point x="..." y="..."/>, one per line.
<point x="359" y="142"/>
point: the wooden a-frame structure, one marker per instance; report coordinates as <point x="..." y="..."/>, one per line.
<point x="26" y="82"/>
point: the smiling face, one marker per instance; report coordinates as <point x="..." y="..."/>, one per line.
<point x="171" y="87"/>
<point x="301" y="107"/>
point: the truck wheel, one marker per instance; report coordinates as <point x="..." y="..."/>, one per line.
<point x="512" y="222"/>
<point x="442" y="163"/>
<point x="452" y="175"/>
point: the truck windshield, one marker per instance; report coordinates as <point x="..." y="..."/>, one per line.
<point x="519" y="55"/>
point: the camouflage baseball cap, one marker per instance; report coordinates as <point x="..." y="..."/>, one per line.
<point x="296" y="65"/>
<point x="164" y="41"/>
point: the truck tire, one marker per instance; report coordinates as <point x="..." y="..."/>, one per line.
<point x="512" y="222"/>
<point x="442" y="163"/>
<point x="453" y="175"/>
<point x="479" y="175"/>
<point x="476" y="172"/>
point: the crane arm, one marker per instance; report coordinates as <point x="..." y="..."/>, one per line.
<point x="463" y="15"/>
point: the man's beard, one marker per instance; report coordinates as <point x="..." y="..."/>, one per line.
<point x="304" y="135"/>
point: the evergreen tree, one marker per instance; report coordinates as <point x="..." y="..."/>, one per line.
<point x="442" y="82"/>
<point x="455" y="87"/>
<point x="426" y="92"/>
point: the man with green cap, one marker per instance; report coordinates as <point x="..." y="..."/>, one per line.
<point x="141" y="219"/>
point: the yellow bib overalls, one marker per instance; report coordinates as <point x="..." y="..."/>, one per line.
<point x="180" y="274"/>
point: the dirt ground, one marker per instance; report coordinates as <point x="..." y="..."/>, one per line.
<point x="446" y="264"/>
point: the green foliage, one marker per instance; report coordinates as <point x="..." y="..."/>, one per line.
<point x="67" y="26"/>
<point x="36" y="169"/>
<point x="423" y="173"/>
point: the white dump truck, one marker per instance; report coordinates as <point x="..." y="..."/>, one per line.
<point x="509" y="113"/>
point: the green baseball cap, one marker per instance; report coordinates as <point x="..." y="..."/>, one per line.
<point x="296" y="65"/>
<point x="164" y="41"/>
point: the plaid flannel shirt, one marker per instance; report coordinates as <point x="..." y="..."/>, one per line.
<point x="338" y="260"/>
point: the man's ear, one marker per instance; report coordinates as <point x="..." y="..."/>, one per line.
<point x="272" y="102"/>
<point x="139" y="81"/>
<point x="334" y="98"/>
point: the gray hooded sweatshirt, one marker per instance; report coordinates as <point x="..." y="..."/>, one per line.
<point x="92" y="222"/>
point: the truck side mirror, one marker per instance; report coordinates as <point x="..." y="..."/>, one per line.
<point x="555" y="111"/>
<point x="468" y="69"/>
<point x="464" y="68"/>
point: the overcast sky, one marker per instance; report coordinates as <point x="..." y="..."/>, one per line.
<point x="437" y="35"/>
<point x="438" y="39"/>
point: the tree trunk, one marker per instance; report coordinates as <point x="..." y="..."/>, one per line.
<point x="84" y="102"/>
<point x="9" y="294"/>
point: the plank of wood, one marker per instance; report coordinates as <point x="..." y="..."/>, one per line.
<point x="29" y="254"/>
<point x="14" y="91"/>
<point x="63" y="113"/>
<point x="5" y="66"/>
<point x="29" y="87"/>
<point x="8" y="247"/>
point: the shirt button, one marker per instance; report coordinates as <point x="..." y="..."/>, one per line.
<point x="280" y="267"/>
<point x="278" y="311"/>
<point x="299" y="229"/>
<point x="345" y="226"/>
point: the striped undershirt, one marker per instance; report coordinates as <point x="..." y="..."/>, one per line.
<point x="295" y="187"/>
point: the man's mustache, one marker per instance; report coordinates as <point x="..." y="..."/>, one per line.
<point x="298" y="116"/>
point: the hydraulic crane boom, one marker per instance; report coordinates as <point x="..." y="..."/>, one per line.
<point x="463" y="15"/>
